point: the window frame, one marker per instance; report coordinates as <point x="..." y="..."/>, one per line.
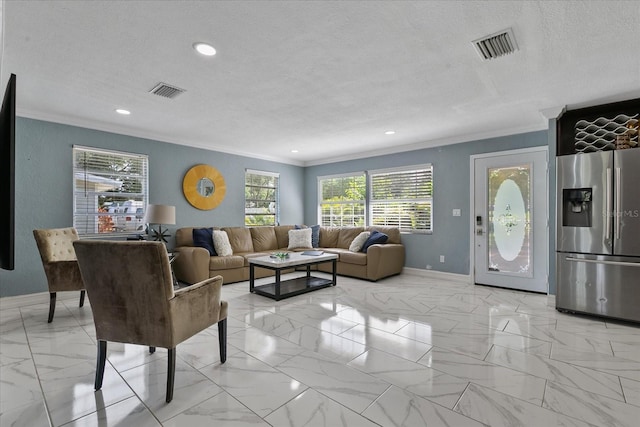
<point x="407" y="171"/>
<point x="353" y="202"/>
<point x="276" y="201"/>
<point x="121" y="219"/>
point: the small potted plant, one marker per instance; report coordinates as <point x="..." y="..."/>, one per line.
<point x="280" y="255"/>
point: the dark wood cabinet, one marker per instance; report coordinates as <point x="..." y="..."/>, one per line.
<point x="596" y="128"/>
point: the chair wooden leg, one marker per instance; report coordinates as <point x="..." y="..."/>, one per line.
<point x="81" y="298"/>
<point x="52" y="306"/>
<point x="222" y="339"/>
<point x="171" y="373"/>
<point x="152" y="350"/>
<point x="102" y="358"/>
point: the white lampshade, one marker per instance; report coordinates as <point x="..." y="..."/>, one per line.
<point x="160" y="214"/>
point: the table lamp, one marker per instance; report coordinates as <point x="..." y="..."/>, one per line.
<point x="160" y="214"/>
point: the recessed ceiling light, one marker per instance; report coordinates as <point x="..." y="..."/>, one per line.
<point x="294" y="151"/>
<point x="390" y="132"/>
<point x="123" y="111"/>
<point x="204" y="49"/>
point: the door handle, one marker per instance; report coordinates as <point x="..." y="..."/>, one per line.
<point x="618" y="203"/>
<point x="608" y="213"/>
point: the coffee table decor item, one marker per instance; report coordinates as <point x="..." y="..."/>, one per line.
<point x="280" y="255"/>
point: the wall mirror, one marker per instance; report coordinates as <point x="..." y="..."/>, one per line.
<point x="204" y="187"/>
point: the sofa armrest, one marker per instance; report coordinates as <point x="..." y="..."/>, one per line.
<point x="197" y="307"/>
<point x="384" y="260"/>
<point x="191" y="264"/>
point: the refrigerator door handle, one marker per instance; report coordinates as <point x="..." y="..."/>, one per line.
<point x="595" y="261"/>
<point x="608" y="213"/>
<point x="618" y="203"/>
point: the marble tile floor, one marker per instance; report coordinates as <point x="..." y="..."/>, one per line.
<point x="406" y="351"/>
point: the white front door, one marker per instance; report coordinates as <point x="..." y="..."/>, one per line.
<point x="510" y="206"/>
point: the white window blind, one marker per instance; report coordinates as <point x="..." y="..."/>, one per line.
<point x="342" y="200"/>
<point x="261" y="198"/>
<point x="402" y="198"/>
<point x="109" y="191"/>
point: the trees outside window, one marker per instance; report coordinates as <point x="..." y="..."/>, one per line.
<point x="400" y="197"/>
<point x="343" y="200"/>
<point x="261" y="198"/>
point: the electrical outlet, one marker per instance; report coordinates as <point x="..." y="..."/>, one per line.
<point x="441" y="258"/>
<point x="456" y="212"/>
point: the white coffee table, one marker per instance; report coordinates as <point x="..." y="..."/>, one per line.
<point x="287" y="288"/>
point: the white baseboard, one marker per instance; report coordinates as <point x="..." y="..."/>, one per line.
<point x="433" y="274"/>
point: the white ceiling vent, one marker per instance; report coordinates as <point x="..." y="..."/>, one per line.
<point x="496" y="45"/>
<point x="165" y="90"/>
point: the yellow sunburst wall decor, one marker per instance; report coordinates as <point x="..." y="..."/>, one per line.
<point x="204" y="187"/>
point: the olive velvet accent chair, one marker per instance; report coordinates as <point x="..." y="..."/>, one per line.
<point x="130" y="288"/>
<point x="59" y="260"/>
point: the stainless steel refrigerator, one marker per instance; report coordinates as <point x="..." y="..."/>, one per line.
<point x="598" y="234"/>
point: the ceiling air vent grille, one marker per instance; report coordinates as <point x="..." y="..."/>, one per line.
<point x="166" y="91"/>
<point x="496" y="45"/>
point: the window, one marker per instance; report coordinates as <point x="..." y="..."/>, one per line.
<point x="261" y="198"/>
<point x="342" y="200"/>
<point x="109" y="191"/>
<point x="402" y="198"/>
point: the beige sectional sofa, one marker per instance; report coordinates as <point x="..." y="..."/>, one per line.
<point x="194" y="264"/>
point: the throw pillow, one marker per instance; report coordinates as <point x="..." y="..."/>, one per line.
<point x="300" y="238"/>
<point x="376" y="237"/>
<point x="358" y="242"/>
<point x="203" y="238"/>
<point x="221" y="243"/>
<point x="315" y="236"/>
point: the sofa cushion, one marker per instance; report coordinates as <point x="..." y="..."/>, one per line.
<point x="264" y="239"/>
<point x="299" y="239"/>
<point x="375" y="238"/>
<point x="226" y="262"/>
<point x="240" y="239"/>
<point x="282" y="235"/>
<point x="203" y="238"/>
<point x="357" y="258"/>
<point x="184" y="236"/>
<point x="221" y="243"/>
<point x="346" y="236"/>
<point x="356" y="245"/>
<point x="392" y="232"/>
<point x="329" y="237"/>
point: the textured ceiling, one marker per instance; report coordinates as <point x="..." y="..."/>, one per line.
<point x="327" y="78"/>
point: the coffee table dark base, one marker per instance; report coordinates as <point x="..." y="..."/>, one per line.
<point x="288" y="288"/>
<point x="292" y="287"/>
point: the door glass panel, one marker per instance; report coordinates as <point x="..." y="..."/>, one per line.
<point x="509" y="213"/>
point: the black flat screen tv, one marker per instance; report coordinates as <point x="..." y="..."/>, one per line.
<point x="8" y="176"/>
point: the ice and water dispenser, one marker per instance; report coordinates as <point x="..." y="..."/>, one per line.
<point x="576" y="207"/>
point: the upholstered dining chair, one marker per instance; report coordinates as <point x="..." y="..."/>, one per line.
<point x="130" y="288"/>
<point x="59" y="260"/>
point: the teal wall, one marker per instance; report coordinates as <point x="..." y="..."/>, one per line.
<point x="451" y="183"/>
<point x="44" y="188"/>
